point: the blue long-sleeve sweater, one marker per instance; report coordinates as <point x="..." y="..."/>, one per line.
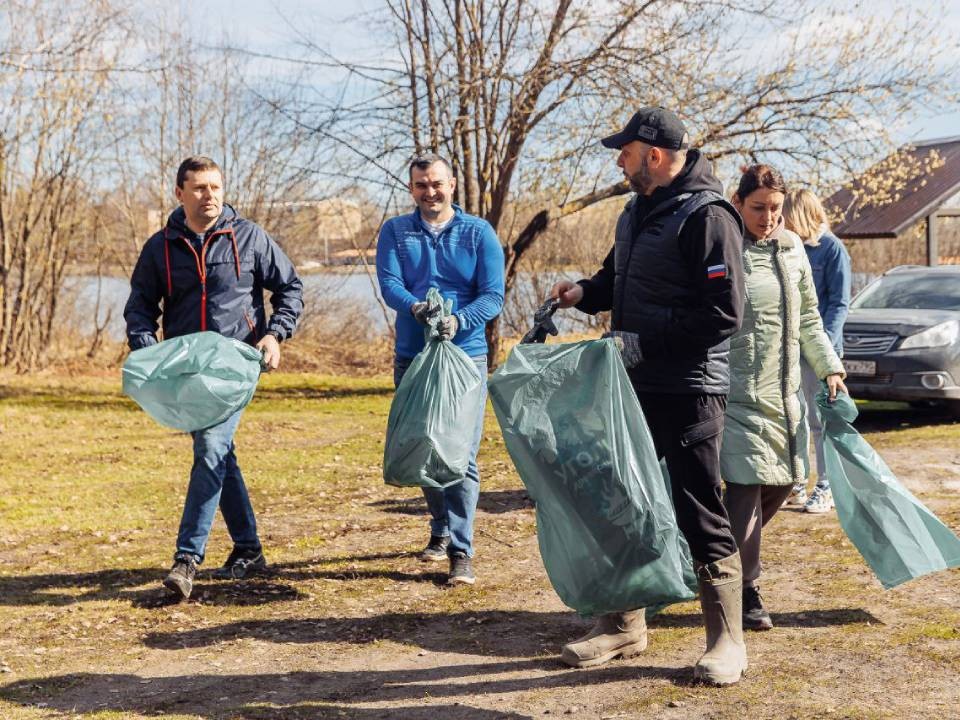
<point x="831" y="277"/>
<point x="465" y="263"/>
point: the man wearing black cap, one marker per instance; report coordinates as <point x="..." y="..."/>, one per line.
<point x="674" y="284"/>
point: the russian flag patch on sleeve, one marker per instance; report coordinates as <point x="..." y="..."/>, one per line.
<point x="716" y="271"/>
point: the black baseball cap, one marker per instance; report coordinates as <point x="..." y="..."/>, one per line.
<point x="655" y="126"/>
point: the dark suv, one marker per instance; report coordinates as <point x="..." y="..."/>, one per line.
<point x="901" y="340"/>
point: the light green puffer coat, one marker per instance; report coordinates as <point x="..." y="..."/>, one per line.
<point x="765" y="435"/>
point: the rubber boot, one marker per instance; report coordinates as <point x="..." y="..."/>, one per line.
<point x="613" y="635"/>
<point x="721" y="586"/>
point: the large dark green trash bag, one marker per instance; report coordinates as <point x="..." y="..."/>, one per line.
<point x="605" y="521"/>
<point x="897" y="535"/>
<point x="429" y="438"/>
<point x="193" y="381"/>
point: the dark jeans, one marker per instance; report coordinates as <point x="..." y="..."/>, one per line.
<point x="686" y="432"/>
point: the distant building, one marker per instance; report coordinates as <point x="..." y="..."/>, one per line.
<point x="354" y="257"/>
<point x="338" y="219"/>
<point x="313" y="232"/>
<point x="903" y="211"/>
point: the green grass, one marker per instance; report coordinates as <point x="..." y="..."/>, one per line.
<point x="90" y="497"/>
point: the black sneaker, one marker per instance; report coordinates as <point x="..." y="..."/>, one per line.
<point x="240" y="564"/>
<point x="436" y="549"/>
<point x="180" y="579"/>
<point x="755" y="617"/>
<point x="461" y="570"/>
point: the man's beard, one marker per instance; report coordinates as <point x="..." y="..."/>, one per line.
<point x="641" y="181"/>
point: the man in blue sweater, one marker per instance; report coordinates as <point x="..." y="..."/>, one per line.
<point x="438" y="245"/>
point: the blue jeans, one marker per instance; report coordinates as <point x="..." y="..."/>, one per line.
<point x="453" y="508"/>
<point x="216" y="480"/>
<point x="811" y="386"/>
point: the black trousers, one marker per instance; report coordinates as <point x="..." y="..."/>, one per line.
<point x="686" y="431"/>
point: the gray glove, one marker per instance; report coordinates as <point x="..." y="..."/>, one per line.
<point x="448" y="327"/>
<point x="628" y="344"/>
<point x="421" y="312"/>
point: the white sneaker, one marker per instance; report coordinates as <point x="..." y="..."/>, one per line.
<point x="821" y="501"/>
<point x="797" y="496"/>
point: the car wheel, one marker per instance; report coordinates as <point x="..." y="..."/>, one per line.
<point x="953" y="407"/>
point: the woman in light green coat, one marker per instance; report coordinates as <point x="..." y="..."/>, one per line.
<point x="764" y="449"/>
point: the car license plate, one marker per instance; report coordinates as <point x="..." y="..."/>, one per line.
<point x="860" y="367"/>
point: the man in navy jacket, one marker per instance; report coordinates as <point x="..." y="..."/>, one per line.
<point x="207" y="270"/>
<point x="438" y="245"/>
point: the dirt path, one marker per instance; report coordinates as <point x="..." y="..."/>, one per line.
<point x="350" y="625"/>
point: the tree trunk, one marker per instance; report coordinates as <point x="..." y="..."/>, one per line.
<point x="536" y="226"/>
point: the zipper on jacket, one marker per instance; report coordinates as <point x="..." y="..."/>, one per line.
<point x="203" y="305"/>
<point x="783" y="275"/>
<point x="201" y="260"/>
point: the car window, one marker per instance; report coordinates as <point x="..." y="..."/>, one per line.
<point x="912" y="291"/>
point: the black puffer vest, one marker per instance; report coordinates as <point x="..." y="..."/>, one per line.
<point x="653" y="277"/>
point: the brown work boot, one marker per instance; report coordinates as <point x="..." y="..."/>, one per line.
<point x="721" y="585"/>
<point x="613" y="635"/>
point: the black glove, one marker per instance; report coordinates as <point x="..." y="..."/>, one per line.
<point x="628" y="344"/>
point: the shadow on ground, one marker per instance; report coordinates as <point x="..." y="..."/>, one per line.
<point x="881" y="417"/>
<point x="271" y="586"/>
<point x="308" y="392"/>
<point x="804" y="619"/>
<point x="491" y="501"/>
<point x="285" y="696"/>
<point x="66" y="398"/>
<point x="72" y="398"/>
<point x="128" y="585"/>
<point x="501" y="633"/>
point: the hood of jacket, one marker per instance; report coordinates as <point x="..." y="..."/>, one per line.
<point x="696" y="176"/>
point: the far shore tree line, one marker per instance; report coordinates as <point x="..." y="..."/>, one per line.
<point x="102" y="101"/>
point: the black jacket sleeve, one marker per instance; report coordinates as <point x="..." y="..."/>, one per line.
<point x="598" y="290"/>
<point x="712" y="244"/>
<point x="278" y="275"/>
<point x="142" y="310"/>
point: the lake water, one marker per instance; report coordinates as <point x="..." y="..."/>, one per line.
<point x="323" y="292"/>
<point x="80" y="299"/>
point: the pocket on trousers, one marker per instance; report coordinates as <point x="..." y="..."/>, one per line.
<point x="703" y="430"/>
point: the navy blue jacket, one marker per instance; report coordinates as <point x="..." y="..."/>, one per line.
<point x="831" y="277"/>
<point x="219" y="288"/>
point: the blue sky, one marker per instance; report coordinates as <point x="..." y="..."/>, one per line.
<point x="265" y="27"/>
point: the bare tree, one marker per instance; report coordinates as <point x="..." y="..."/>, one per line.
<point x="517" y="93"/>
<point x="53" y="74"/>
<point x="101" y="103"/>
<point x="209" y="100"/>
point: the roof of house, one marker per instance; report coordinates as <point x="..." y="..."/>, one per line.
<point x="926" y="184"/>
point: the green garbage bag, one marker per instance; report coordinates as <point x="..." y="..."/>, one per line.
<point x="897" y="535"/>
<point x="439" y="396"/>
<point x="193" y="381"/>
<point x="605" y="522"/>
